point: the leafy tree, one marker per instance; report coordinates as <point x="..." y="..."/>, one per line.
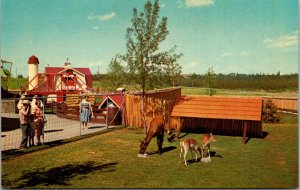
<point x="173" y="73"/>
<point x="146" y="65"/>
<point x="116" y="75"/>
<point x="210" y="81"/>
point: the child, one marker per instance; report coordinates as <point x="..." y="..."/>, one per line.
<point x="38" y="121"/>
<point x="31" y="131"/>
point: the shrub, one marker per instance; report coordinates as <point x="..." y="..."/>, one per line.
<point x="270" y="112"/>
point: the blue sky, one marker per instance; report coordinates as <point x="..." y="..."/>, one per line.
<point x="232" y="36"/>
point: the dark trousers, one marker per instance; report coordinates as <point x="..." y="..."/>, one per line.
<point x="25" y="133"/>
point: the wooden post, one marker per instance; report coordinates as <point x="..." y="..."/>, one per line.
<point x="245" y="131"/>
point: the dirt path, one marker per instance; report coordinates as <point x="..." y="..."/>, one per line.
<point x="56" y="128"/>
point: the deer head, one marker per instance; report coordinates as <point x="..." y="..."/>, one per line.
<point x="143" y="146"/>
<point x="212" y="138"/>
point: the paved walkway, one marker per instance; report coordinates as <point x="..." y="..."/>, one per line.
<point x="56" y="128"/>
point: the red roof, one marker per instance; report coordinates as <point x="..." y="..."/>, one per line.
<point x="33" y="60"/>
<point x="85" y="71"/>
<point x="240" y="108"/>
<point x="54" y="70"/>
<point x="115" y="98"/>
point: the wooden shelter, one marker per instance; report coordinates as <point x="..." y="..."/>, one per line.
<point x="219" y="115"/>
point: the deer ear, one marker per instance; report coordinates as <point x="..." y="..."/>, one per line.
<point x="210" y="133"/>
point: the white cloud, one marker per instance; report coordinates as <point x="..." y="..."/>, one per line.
<point x="96" y="28"/>
<point x="198" y="3"/>
<point x="193" y="64"/>
<point x="226" y="54"/>
<point x="162" y="5"/>
<point x="245" y="53"/>
<point x="283" y="42"/>
<point x="179" y="4"/>
<point x="102" y="17"/>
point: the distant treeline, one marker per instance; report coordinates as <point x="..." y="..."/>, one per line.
<point x="258" y="81"/>
<point x="245" y="81"/>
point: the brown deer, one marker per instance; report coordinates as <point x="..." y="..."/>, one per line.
<point x="192" y="145"/>
<point x="206" y="140"/>
<point x="174" y="127"/>
<point x="156" y="129"/>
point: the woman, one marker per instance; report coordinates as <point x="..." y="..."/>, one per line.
<point x="85" y="110"/>
<point x="38" y="120"/>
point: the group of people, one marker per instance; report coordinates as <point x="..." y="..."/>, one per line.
<point x="31" y="121"/>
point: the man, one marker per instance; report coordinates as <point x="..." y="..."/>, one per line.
<point x="24" y="122"/>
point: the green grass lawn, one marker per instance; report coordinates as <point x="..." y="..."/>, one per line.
<point x="110" y="160"/>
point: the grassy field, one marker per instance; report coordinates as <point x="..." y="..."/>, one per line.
<point x="222" y="92"/>
<point x="110" y="161"/>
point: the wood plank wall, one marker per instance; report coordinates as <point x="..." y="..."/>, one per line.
<point x="285" y="103"/>
<point x="156" y="103"/>
<point x="217" y="126"/>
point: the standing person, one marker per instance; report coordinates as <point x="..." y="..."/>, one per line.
<point x="31" y="129"/>
<point x="85" y="110"/>
<point x="20" y="103"/>
<point x="32" y="124"/>
<point x="24" y="122"/>
<point x="33" y="103"/>
<point x="38" y="121"/>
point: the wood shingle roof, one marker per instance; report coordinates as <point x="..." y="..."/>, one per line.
<point x="216" y="107"/>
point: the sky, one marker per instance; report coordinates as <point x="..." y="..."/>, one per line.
<point x="231" y="36"/>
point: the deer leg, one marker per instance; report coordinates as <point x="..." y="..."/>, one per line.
<point x="181" y="152"/>
<point x="201" y="152"/>
<point x="192" y="154"/>
<point x="208" y="150"/>
<point x="203" y="149"/>
<point x="196" y="155"/>
<point x="185" y="153"/>
<point x="160" y="138"/>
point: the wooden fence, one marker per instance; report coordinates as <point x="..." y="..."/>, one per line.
<point x="289" y="104"/>
<point x="158" y="102"/>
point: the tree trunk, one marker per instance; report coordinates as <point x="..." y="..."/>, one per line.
<point x="143" y="112"/>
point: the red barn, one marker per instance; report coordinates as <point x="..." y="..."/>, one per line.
<point x="84" y="74"/>
<point x="59" y="81"/>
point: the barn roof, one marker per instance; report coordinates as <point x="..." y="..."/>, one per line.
<point x="117" y="99"/>
<point x="85" y="71"/>
<point x="239" y="108"/>
<point x="54" y="70"/>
